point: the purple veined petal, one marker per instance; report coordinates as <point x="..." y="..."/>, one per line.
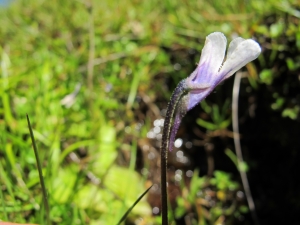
<point x="206" y="73"/>
<point x="209" y="72"/>
<point x="194" y="97"/>
<point x="211" y="59"/>
<point x="243" y="53"/>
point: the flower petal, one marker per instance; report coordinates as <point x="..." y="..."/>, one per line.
<point x="233" y="44"/>
<point x="186" y="103"/>
<point x="194" y="97"/>
<point x="243" y="53"/>
<point x="211" y="59"/>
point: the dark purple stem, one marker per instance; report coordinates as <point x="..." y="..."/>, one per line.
<point x="175" y="98"/>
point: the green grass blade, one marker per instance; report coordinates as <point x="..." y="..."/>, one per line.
<point x="2" y="203"/>
<point x="133" y="155"/>
<point x="136" y="202"/>
<point x="40" y="172"/>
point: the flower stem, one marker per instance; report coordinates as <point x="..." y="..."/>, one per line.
<point x="175" y="98"/>
<point x="238" y="148"/>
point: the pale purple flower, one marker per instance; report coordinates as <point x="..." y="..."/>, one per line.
<point x="212" y="69"/>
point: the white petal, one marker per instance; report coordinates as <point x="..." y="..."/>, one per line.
<point x="233" y="44"/>
<point x="243" y="53"/>
<point x="213" y="52"/>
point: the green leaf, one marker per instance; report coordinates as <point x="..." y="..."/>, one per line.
<point x="106" y="154"/>
<point x="243" y="166"/>
<point x="205" y="107"/>
<point x="266" y="76"/>
<point x="207" y="125"/>
<point x="276" y="29"/>
<point x="64" y="183"/>
<point x="292" y="113"/>
<point x="224" y="124"/>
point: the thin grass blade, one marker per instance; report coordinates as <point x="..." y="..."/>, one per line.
<point x="40" y="173"/>
<point x="134" y="204"/>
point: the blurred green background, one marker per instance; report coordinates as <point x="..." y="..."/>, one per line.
<point x="95" y="77"/>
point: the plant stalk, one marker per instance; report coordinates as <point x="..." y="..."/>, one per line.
<point x="238" y="148"/>
<point x="172" y="105"/>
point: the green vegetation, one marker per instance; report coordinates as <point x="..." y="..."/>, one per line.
<point x="93" y="75"/>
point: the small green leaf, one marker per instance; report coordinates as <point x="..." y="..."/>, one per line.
<point x="243" y="166"/>
<point x="266" y="76"/>
<point x="292" y="113"/>
<point x="63" y="185"/>
<point x="276" y="29"/>
<point x="224" y="124"/>
<point x="206" y="108"/>
<point x="205" y="124"/>
<point x="243" y="209"/>
<point x="278" y="103"/>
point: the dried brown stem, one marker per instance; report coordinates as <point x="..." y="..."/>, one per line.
<point x="237" y="144"/>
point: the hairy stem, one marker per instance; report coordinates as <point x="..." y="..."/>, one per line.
<point x="176" y="96"/>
